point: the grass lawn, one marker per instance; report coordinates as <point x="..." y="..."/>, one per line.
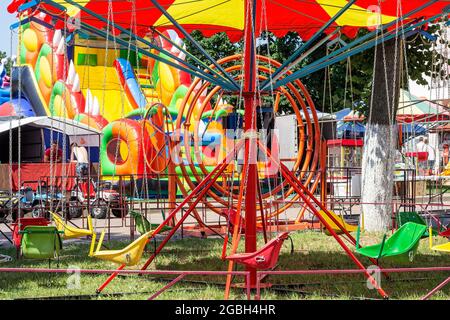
<point x="313" y="250"/>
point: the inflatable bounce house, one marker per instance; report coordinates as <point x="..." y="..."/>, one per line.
<point x="134" y="101"/>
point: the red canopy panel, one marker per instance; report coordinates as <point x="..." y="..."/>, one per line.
<point x="346" y="142"/>
<point x="212" y="16"/>
<point x="422" y="118"/>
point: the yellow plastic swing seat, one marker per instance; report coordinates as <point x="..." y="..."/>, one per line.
<point x="129" y="256"/>
<point x="445" y="247"/>
<point x="348" y="227"/>
<point x="442" y="247"/>
<point x="71" y="232"/>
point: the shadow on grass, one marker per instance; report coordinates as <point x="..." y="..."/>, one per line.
<point x="198" y="254"/>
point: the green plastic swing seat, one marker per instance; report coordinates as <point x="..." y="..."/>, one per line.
<point x="143" y="225"/>
<point x="40" y="242"/>
<point x="412" y="216"/>
<point x="402" y="244"/>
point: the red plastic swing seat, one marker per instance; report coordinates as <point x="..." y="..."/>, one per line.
<point x="265" y="258"/>
<point x="87" y="189"/>
<point x="445" y="233"/>
<point x="24" y="222"/>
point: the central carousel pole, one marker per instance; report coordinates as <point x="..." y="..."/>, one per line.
<point x="250" y="182"/>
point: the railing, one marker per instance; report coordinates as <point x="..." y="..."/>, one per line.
<point x="182" y="274"/>
<point x="179" y="273"/>
<point x="262" y="274"/>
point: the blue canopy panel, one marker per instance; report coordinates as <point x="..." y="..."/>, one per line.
<point x="351" y="130"/>
<point x="342" y="113"/>
<point x="415" y="129"/>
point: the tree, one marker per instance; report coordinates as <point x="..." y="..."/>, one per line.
<point x="380" y="138"/>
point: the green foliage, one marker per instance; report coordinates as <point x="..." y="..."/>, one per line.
<point x="218" y="46"/>
<point x="347" y="84"/>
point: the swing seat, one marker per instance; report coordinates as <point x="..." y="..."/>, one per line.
<point x="40" y="242"/>
<point x="129" y="256"/>
<point x="265" y="258"/>
<point x="334" y="226"/>
<point x="445" y="247"/>
<point x="143" y="225"/>
<point x="71" y="232"/>
<point x="87" y="189"/>
<point x="402" y="244"/>
<point x="445" y="233"/>
<point x="24" y="222"/>
<point x="404" y="217"/>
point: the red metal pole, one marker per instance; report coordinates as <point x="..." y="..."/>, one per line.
<point x="200" y="190"/>
<point x="293" y="181"/>
<point x="439" y="287"/>
<point x="110" y="278"/>
<point x="250" y="129"/>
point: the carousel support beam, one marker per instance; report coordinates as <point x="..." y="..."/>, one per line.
<point x="291" y="60"/>
<point x="196" y="44"/>
<point x="198" y="73"/>
<point x="304" y="193"/>
<point x="189" y="68"/>
<point x="188" y="54"/>
<point x="198" y="192"/>
<point x="250" y="128"/>
<point x="292" y="180"/>
<point x="320" y="64"/>
<point x="28" y="5"/>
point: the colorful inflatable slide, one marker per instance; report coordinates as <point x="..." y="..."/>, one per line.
<point x="109" y="89"/>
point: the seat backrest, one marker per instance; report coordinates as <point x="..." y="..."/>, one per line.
<point x="266" y="257"/>
<point x="274" y="255"/>
<point x="404" y="239"/>
<point x="404" y="217"/>
<point x="142" y="224"/>
<point x="445" y="233"/>
<point x="87" y="188"/>
<point x="24" y="222"/>
<point x="40" y="242"/>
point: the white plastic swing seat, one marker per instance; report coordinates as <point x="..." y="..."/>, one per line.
<point x="129" y="256"/>
<point x="71" y="232"/>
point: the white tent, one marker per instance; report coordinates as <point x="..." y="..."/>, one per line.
<point x="71" y="128"/>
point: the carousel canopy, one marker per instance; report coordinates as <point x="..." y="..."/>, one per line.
<point x="212" y="16"/>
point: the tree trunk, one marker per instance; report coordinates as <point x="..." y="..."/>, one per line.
<point x="380" y="139"/>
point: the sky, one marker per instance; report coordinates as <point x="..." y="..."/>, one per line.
<point x="6" y="19"/>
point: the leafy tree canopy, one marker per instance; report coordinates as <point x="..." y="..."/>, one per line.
<point x="346" y="84"/>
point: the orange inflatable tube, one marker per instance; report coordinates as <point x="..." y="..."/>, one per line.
<point x="122" y="148"/>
